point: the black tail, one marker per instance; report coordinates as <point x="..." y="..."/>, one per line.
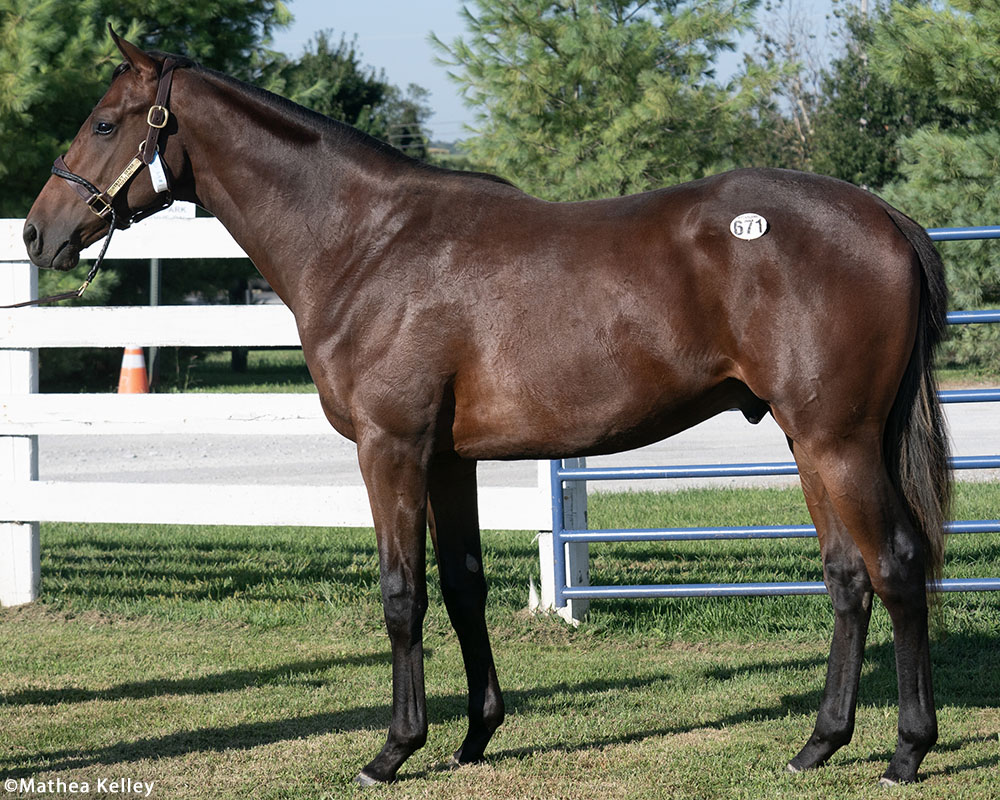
<point x="916" y="442"/>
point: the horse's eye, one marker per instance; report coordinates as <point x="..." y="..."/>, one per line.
<point x="104" y="128"/>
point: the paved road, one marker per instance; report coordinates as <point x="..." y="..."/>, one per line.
<point x="331" y="460"/>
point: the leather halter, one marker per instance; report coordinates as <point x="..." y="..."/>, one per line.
<point x="102" y="203"/>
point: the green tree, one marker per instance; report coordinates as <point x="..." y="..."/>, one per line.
<point x="333" y="81"/>
<point x="603" y="97"/>
<point x="405" y="114"/>
<point x="56" y="57"/>
<point x="950" y="171"/>
<point x="861" y="117"/>
<point x="55" y="61"/>
<point x="787" y="47"/>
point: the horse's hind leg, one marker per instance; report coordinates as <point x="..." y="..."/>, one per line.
<point x="855" y="477"/>
<point x="850" y="592"/>
<point x="454" y="522"/>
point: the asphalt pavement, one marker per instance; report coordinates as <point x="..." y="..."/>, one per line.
<point x="331" y="460"/>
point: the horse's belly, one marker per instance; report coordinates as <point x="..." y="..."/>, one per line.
<point x="559" y="424"/>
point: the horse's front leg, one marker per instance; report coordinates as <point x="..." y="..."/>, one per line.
<point x="395" y="474"/>
<point x="454" y="524"/>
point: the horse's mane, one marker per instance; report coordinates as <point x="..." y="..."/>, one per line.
<point x="321" y="124"/>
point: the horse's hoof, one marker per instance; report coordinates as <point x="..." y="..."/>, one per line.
<point x="366" y="780"/>
<point x="883" y="781"/>
<point x="792" y="769"/>
<point x="453" y="763"/>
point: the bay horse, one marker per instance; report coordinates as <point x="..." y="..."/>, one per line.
<point x="448" y="317"/>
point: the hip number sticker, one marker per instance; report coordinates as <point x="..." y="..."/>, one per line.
<point x="748" y="226"/>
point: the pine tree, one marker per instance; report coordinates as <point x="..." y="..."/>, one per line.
<point x="604" y="97"/>
<point x="950" y="173"/>
<point x="56" y="58"/>
<point x="861" y="117"/>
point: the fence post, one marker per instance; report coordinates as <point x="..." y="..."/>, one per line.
<point x="577" y="560"/>
<point x="20" y="570"/>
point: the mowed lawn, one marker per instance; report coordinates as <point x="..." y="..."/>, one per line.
<point x="245" y="662"/>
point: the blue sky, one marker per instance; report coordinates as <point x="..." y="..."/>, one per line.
<point x="393" y="35"/>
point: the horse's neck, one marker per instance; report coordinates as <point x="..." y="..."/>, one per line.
<point x="289" y="188"/>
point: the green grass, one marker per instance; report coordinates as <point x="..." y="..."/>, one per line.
<point x="957" y="376"/>
<point x="268" y="371"/>
<point x="237" y="662"/>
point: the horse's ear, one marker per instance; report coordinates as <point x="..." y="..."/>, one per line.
<point x="137" y="59"/>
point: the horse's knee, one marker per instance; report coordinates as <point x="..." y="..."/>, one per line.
<point x="463" y="574"/>
<point x="847" y="583"/>
<point x="404" y="614"/>
<point x="464" y="589"/>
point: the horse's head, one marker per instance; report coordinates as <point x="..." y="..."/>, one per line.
<point x="99" y="181"/>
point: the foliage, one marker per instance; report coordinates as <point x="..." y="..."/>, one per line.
<point x="583" y="99"/>
<point x="405" y="113"/>
<point x="329" y="79"/>
<point x="333" y="81"/>
<point x="861" y="117"/>
<point x="55" y="61"/>
<point x="56" y="57"/>
<point x="836" y="117"/>
<point x="949" y="170"/>
<point x="782" y="135"/>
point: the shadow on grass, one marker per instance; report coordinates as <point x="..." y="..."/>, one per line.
<point x="878" y="686"/>
<point x="245" y="736"/>
<point x="949" y="745"/>
<point x="93" y="569"/>
<point x="229" y="681"/>
<point x="964" y="670"/>
<point x="196" y="567"/>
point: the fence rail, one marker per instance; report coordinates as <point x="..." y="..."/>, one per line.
<point x="571" y="538"/>
<point x="25" y="414"/>
<point x="557" y="502"/>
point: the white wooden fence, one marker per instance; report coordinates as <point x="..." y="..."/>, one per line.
<point x="25" y="414"/>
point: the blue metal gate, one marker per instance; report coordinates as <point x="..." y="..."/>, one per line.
<point x="562" y="536"/>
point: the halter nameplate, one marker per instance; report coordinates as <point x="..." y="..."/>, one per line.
<point x="133" y="167"/>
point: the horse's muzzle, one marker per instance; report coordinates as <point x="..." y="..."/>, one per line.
<point x="65" y="256"/>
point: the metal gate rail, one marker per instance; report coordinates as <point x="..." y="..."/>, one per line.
<point x="560" y="474"/>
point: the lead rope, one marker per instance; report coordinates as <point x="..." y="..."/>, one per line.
<point x="54" y="298"/>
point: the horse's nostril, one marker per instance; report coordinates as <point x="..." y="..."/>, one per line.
<point x="30" y="235"/>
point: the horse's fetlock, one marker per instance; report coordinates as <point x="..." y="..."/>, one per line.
<point x="919" y="735"/>
<point x="411" y="741"/>
<point x="835" y="732"/>
<point x="494" y="713"/>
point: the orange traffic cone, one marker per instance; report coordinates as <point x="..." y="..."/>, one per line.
<point x="133" y="378"/>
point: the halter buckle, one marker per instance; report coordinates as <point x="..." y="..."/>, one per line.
<point x="149" y="116"/>
<point x="92" y="203"/>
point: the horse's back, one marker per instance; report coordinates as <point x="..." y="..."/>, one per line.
<point x="613" y="323"/>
